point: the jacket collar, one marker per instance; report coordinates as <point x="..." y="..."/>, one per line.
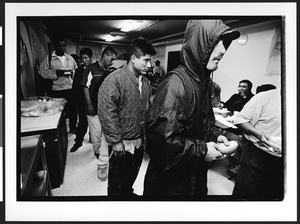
<point x="132" y="76"/>
<point x="56" y="56"/>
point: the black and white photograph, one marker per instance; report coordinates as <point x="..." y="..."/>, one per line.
<point x="150" y="111"/>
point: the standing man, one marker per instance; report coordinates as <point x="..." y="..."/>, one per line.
<point x="238" y="100"/>
<point x="158" y="71"/>
<point x="86" y="59"/>
<point x="122" y="108"/>
<point x="261" y="174"/>
<point x="60" y="67"/>
<point x="181" y="135"/>
<point x="93" y="77"/>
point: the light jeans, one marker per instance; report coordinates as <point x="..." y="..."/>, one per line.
<point x="99" y="143"/>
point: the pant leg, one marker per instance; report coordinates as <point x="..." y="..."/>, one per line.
<point x="82" y="123"/>
<point x="69" y="109"/>
<point x="123" y="172"/>
<point x="95" y="131"/>
<point x="260" y="176"/>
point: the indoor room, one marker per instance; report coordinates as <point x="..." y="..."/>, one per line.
<point x="51" y="165"/>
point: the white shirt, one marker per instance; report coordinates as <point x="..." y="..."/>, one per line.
<point x="263" y="112"/>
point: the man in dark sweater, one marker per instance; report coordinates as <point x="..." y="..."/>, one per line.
<point x="238" y="100"/>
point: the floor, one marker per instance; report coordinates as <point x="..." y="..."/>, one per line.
<point x="81" y="175"/>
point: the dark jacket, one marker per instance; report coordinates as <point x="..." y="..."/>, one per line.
<point x="236" y="102"/>
<point x="181" y="120"/>
<point x="121" y="108"/>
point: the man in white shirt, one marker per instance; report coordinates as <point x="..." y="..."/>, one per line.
<point x="59" y="67"/>
<point x="261" y="170"/>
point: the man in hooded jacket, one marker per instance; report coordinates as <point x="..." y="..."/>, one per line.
<point x="181" y="136"/>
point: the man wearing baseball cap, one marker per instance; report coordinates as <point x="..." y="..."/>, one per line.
<point x="181" y="135"/>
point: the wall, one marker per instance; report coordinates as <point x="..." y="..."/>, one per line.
<point x="247" y="62"/>
<point x="243" y="62"/>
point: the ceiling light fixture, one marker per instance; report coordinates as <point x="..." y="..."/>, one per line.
<point x="132" y="25"/>
<point x="242" y="40"/>
<point x="110" y="38"/>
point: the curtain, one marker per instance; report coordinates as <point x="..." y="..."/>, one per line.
<point x="274" y="64"/>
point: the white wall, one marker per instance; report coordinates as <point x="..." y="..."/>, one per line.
<point x="247" y="62"/>
<point x="244" y="62"/>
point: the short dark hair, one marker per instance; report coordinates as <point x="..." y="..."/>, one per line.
<point x="264" y="87"/>
<point x="249" y="83"/>
<point x="57" y="40"/>
<point x="141" y="46"/>
<point x="75" y="56"/>
<point x="108" y="51"/>
<point x="87" y="51"/>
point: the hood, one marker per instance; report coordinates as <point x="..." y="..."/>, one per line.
<point x="200" y="38"/>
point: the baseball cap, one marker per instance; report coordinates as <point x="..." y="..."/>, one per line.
<point x="230" y="34"/>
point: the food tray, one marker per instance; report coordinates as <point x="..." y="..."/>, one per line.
<point x="41" y="106"/>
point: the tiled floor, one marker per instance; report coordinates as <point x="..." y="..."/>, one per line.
<point x="81" y="175"/>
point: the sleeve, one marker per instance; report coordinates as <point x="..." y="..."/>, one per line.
<point x="167" y="143"/>
<point x="229" y="103"/>
<point x="74" y="66"/>
<point x="251" y="111"/>
<point x="85" y="75"/>
<point x="109" y="99"/>
<point x="45" y="71"/>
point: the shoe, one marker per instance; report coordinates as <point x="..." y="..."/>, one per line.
<point x="75" y="147"/>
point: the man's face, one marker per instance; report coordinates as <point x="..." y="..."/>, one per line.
<point x="142" y="65"/>
<point x="216" y="56"/>
<point x="86" y="60"/>
<point x="109" y="59"/>
<point x="60" y="48"/>
<point x="243" y="89"/>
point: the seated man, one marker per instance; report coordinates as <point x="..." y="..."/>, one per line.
<point x="238" y="100"/>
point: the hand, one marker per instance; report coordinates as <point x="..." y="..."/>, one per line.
<point x="60" y="73"/>
<point x="90" y="109"/>
<point x="68" y="73"/>
<point x="223" y="139"/>
<point x="212" y="152"/>
<point x="118" y="149"/>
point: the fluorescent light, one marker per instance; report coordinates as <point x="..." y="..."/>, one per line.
<point x="132" y="25"/>
<point x="110" y="38"/>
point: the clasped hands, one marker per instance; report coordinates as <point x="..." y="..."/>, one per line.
<point x="213" y="152"/>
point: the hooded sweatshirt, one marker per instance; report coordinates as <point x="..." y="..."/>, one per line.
<point x="181" y="119"/>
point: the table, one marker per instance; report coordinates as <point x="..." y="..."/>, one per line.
<point x="34" y="171"/>
<point x="54" y="136"/>
<point x="223" y="123"/>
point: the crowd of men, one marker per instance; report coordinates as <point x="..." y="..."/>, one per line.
<point x="177" y="129"/>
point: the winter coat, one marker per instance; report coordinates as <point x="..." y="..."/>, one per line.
<point x="181" y="120"/>
<point x="121" y="108"/>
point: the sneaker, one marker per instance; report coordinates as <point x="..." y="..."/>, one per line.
<point x="102" y="163"/>
<point x="75" y="147"/>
